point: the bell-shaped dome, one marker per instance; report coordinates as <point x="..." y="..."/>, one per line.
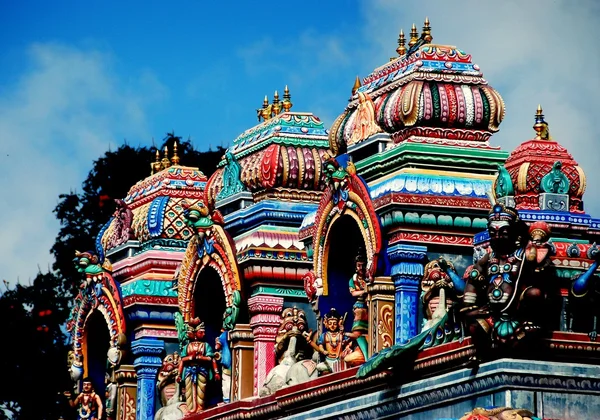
<point x="541" y="165"/>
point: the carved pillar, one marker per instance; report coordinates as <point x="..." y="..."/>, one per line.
<point x="126" y="392"/>
<point x="381" y="314"/>
<point x="407" y="271"/>
<point x="265" y="312"/>
<point x="242" y="362"/>
<point x="147" y="354"/>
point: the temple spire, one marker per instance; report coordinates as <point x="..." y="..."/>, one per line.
<point x="401" y="50"/>
<point x="276" y="104"/>
<point x="356" y="86"/>
<point x="414" y="36"/>
<point x="541" y="126"/>
<point x="426" y="34"/>
<point x="175" y="158"/>
<point x="287" y="100"/>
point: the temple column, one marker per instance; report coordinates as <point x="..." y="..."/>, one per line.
<point x="147" y="352"/>
<point x="242" y="362"/>
<point x="381" y="314"/>
<point x="407" y="271"/>
<point x="265" y="312"/>
<point x="126" y="392"/>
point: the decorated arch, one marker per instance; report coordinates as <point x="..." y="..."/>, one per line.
<point x="210" y="248"/>
<point x="346" y="195"/>
<point x="98" y="292"/>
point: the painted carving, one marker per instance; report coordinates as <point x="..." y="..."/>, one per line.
<point x="500" y="413"/>
<point x="169" y="389"/>
<point x="232" y="183"/>
<point x="584" y="297"/>
<point x="555" y="181"/>
<point x="337" y="179"/>
<point x="503" y="186"/>
<point x="440" y="289"/>
<point x="365" y="124"/>
<point x="198" y="365"/>
<point x="121" y="230"/>
<point x="360" y="325"/>
<point x="88" y="403"/>
<point x="223" y="358"/>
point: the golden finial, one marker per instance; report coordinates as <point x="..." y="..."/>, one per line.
<point x="426" y="35"/>
<point x="414" y="36"/>
<point x="401" y="50"/>
<point x="287" y="100"/>
<point x="156" y="166"/>
<point x="165" y="162"/>
<point x="266" y="109"/>
<point x="175" y="158"/>
<point x="541" y="126"/>
<point x="356" y="86"/>
<point x="276" y="104"/>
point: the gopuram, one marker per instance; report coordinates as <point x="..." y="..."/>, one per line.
<point x="397" y="264"/>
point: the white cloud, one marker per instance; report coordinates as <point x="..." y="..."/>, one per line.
<point x="65" y="111"/>
<point x="533" y="51"/>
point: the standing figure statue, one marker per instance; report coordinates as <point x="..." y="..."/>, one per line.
<point x="330" y="343"/>
<point x="223" y="356"/>
<point x="357" y="353"/>
<point x="197" y="366"/>
<point x="506" y="287"/>
<point x="88" y="403"/>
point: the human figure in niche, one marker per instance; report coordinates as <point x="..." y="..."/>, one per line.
<point x="88" y="403"/>
<point x="330" y="343"/>
<point x="356" y="352"/>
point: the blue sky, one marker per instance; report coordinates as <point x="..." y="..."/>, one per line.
<point x="79" y="77"/>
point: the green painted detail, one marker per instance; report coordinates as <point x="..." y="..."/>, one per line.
<point x="428" y="219"/>
<point x="141" y="287"/>
<point x="232" y="184"/>
<point x="397" y="217"/>
<point x="411" y="217"/>
<point x="567" y="273"/>
<point x="444" y="220"/>
<point x="279" y="291"/>
<point x="555" y="181"/>
<point x="479" y="223"/>
<point x="504" y="185"/>
<point x="461" y="221"/>
<point x="177" y="245"/>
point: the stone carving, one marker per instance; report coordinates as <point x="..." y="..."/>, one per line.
<point x="555" y="181"/>
<point x="232" y="183"/>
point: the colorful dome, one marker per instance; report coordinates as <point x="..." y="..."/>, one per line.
<point x="153" y="208"/>
<point x="429" y="91"/>
<point x="541" y="165"/>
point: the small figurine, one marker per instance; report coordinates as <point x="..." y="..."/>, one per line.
<point x="360" y="326"/>
<point x="88" y="402"/>
<point x="330" y="343"/>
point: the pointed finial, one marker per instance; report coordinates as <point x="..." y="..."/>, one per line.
<point x="175" y="158"/>
<point x="156" y="165"/>
<point x="276" y="104"/>
<point x="287" y="100"/>
<point x="265" y="102"/>
<point x="401" y="50"/>
<point x="165" y="162"/>
<point x="356" y="86"/>
<point x="541" y="126"/>
<point x="414" y="36"/>
<point x="426" y="35"/>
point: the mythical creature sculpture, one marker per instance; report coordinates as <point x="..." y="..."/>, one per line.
<point x="441" y="287"/>
<point x="122" y="231"/>
<point x="505" y="291"/>
<point x="555" y="181"/>
<point x="232" y="183"/>
<point x="584" y="296"/>
<point x="169" y="389"/>
<point x="198" y="365"/>
<point x="337" y="178"/>
<point x="331" y="343"/>
<point x="500" y="413"/>
<point x="88" y="403"/>
<point x="503" y="186"/>
<point x="88" y="263"/>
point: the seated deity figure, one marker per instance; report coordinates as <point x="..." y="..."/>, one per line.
<point x="356" y="354"/>
<point x="197" y="366"/>
<point x="505" y="291"/>
<point x="330" y="343"/>
<point x="88" y="403"/>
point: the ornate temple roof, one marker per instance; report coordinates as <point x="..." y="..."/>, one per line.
<point x="542" y="165"/>
<point x="153" y="207"/>
<point x="284" y="151"/>
<point x="429" y="90"/>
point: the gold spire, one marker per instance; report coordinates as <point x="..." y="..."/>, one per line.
<point x="356" y="86"/>
<point x="414" y="36"/>
<point x="401" y="50"/>
<point x="165" y="160"/>
<point x="276" y="104"/>
<point x="541" y="126"/>
<point x="156" y="165"/>
<point x="175" y="158"/>
<point x="426" y="35"/>
<point x="287" y="100"/>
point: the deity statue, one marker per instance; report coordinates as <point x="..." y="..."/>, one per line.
<point x="360" y="324"/>
<point x="88" y="403"/>
<point x="441" y="287"/>
<point x="365" y="124"/>
<point x="505" y="291"/>
<point x="330" y="343"/>
<point x="584" y="297"/>
<point x="223" y="357"/>
<point x="232" y="183"/>
<point x="197" y="365"/>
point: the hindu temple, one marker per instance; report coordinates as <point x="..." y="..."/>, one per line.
<point x="397" y="264"/>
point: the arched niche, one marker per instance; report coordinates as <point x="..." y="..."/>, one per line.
<point x="96" y="342"/>
<point x="344" y="241"/>
<point x="209" y="302"/>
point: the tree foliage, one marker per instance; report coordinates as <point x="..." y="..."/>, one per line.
<point x="34" y="360"/>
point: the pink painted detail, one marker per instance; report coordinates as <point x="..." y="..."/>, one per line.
<point x="460" y="98"/>
<point x="478" y="104"/>
<point x="156" y="261"/>
<point x="265" y="314"/>
<point x="154" y="332"/>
